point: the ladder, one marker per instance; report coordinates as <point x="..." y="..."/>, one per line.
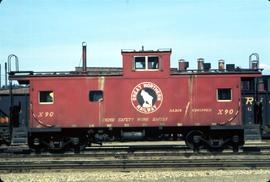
<point x="252" y="132"/>
<point x="19" y="136"/>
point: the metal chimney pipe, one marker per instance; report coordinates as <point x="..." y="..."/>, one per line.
<point x="221" y="65"/>
<point x="5" y="74"/>
<point x="182" y="65"/>
<point x="200" y="64"/>
<point x="0" y="76"/>
<point x="84" y="66"/>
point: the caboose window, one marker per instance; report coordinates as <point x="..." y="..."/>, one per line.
<point x="140" y="63"/>
<point x="224" y="95"/>
<point x="146" y="63"/>
<point x="46" y="97"/>
<point x="247" y="84"/>
<point x="96" y="96"/>
<point x="153" y="62"/>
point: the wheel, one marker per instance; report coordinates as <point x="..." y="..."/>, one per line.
<point x="235" y="148"/>
<point x="79" y="148"/>
<point x="215" y="144"/>
<point x="37" y="149"/>
<point x="236" y="142"/>
<point x="195" y="140"/>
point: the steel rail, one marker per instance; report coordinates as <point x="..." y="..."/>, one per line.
<point x="138" y="150"/>
<point x="136" y="163"/>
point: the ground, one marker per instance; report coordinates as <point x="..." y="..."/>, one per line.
<point x="149" y="175"/>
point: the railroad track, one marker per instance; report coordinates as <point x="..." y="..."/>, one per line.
<point x="131" y="147"/>
<point x="125" y="162"/>
<point x="140" y="156"/>
<point x="138" y="159"/>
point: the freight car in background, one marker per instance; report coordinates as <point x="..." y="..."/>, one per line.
<point x="144" y="100"/>
<point x="8" y="122"/>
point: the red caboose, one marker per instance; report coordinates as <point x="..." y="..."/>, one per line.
<point x="145" y="100"/>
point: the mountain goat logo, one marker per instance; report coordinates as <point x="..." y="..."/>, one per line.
<point x="146" y="97"/>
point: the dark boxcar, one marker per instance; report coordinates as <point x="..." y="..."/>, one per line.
<point x="20" y="98"/>
<point x="256" y="104"/>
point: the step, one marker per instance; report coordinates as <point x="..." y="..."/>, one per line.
<point x="19" y="149"/>
<point x="19" y="136"/>
<point x="20" y="129"/>
<point x="252" y="137"/>
<point x="251" y="126"/>
<point x="252" y="132"/>
<point x="18" y="141"/>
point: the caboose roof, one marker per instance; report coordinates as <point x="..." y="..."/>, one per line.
<point x="161" y="50"/>
<point x="129" y="69"/>
<point x="116" y="71"/>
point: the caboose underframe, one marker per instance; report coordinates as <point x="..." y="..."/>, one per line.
<point x="195" y="137"/>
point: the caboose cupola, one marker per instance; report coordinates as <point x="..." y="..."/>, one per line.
<point x="146" y="63"/>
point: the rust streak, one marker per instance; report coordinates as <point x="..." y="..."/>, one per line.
<point x="101" y="83"/>
<point x="187" y="107"/>
<point x="190" y="97"/>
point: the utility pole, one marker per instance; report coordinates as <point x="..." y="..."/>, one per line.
<point x="0" y="77"/>
<point x="5" y="74"/>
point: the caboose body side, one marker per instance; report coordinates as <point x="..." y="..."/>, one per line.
<point x="182" y="100"/>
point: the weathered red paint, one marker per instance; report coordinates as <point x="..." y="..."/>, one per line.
<point x="187" y="99"/>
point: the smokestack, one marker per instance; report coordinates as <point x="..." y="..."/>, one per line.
<point x="5" y="74"/>
<point x="221" y="65"/>
<point x="255" y="64"/>
<point x="84" y="63"/>
<point x="0" y="76"/>
<point x="182" y="65"/>
<point x="200" y="64"/>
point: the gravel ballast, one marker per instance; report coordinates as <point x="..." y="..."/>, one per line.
<point x="148" y="175"/>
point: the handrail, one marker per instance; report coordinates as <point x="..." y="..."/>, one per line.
<point x="16" y="62"/>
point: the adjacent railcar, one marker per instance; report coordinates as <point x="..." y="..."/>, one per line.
<point x="17" y="104"/>
<point x="256" y="105"/>
<point x="146" y="100"/>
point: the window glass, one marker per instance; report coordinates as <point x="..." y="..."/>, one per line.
<point x="140" y="63"/>
<point x="95" y="96"/>
<point x="46" y="97"/>
<point x="224" y="94"/>
<point x="153" y="62"/>
<point x="146" y="63"/>
<point x="246" y="85"/>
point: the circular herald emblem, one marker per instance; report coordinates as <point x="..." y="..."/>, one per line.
<point x="146" y="97"/>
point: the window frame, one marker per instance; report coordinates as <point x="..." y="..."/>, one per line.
<point x="146" y="63"/>
<point x="46" y="103"/>
<point x="224" y="100"/>
<point x="95" y="100"/>
<point x="138" y="62"/>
